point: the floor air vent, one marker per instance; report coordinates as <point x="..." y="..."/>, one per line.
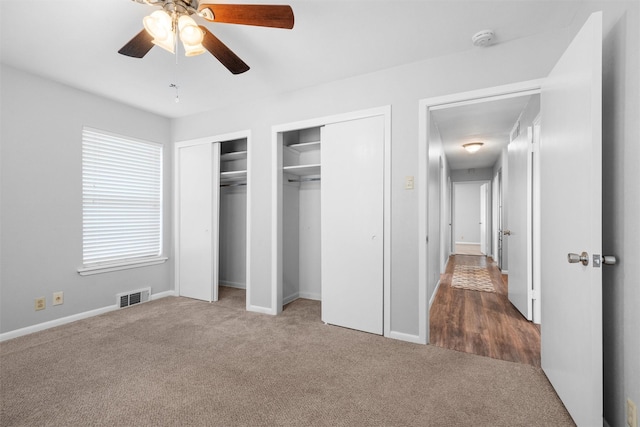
<point x="134" y="297"/>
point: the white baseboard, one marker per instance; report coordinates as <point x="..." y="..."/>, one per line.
<point x="433" y="295"/>
<point x="405" y="337"/>
<point x="305" y="295"/>
<point x="310" y="295"/>
<point x="260" y="309"/>
<point x="290" y="298"/>
<point x="467" y="243"/>
<point x="69" y="319"/>
<point x="505" y="272"/>
<point x="232" y="284"/>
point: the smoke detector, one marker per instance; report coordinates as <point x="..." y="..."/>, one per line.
<point x="483" y="38"/>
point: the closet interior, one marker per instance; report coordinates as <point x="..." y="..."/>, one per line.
<point x="232" y="216"/>
<point x="301" y="193"/>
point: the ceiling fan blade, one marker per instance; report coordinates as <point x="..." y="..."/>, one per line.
<point x="223" y="53"/>
<point x="138" y="46"/>
<point x="261" y="15"/>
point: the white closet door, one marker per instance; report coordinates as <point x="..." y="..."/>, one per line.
<point x="352" y="206"/>
<point x="198" y="187"/>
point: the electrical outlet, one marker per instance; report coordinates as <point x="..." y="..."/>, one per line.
<point x="41" y="303"/>
<point x="632" y="414"/>
<point x="58" y="298"/>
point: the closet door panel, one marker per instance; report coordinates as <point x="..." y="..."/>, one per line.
<point x="196" y="226"/>
<point x="353" y="224"/>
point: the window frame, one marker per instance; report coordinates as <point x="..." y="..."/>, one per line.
<point x="92" y="139"/>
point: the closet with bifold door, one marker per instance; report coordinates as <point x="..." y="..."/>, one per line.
<point x="330" y="187"/>
<point x="211" y="217"/>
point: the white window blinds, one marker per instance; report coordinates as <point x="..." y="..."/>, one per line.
<point x="121" y="198"/>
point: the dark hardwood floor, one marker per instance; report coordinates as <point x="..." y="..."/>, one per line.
<point x="482" y="323"/>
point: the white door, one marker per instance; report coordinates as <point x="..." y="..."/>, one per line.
<point x="483" y="218"/>
<point x="352" y="228"/>
<point x="198" y="189"/>
<point x="518" y="220"/>
<point x="571" y="202"/>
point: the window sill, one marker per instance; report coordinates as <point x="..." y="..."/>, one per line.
<point x="125" y="265"/>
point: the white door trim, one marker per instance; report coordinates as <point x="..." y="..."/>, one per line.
<point x="425" y="106"/>
<point x="276" y="201"/>
<point x="176" y="199"/>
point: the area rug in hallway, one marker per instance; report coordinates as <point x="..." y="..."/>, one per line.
<point x="472" y="277"/>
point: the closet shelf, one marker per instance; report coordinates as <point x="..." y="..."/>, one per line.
<point x="233" y="155"/>
<point x="305" y="146"/>
<point x="231" y="176"/>
<point x="302" y="170"/>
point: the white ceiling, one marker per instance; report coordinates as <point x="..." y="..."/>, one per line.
<point x="489" y="122"/>
<point x="75" y="42"/>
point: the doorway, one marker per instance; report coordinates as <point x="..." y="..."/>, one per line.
<point x="471" y="209"/>
<point x="524" y="89"/>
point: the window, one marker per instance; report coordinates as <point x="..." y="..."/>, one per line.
<point x="121" y="202"/>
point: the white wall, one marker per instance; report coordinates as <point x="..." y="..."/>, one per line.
<point x="310" y="278"/>
<point x="466" y="223"/>
<point x="42" y="199"/>
<point x="233" y="237"/>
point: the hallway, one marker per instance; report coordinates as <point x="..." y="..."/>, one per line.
<point x="482" y="323"/>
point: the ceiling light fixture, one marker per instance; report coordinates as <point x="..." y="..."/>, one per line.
<point x="472" y="147"/>
<point x="166" y="28"/>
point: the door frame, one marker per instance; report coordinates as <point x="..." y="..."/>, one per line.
<point x="276" y="203"/>
<point x="176" y="202"/>
<point x="425" y="106"/>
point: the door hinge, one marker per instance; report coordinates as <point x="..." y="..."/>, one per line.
<point x="534" y="294"/>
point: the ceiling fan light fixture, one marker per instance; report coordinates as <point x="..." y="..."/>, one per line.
<point x="191" y="36"/>
<point x="472" y="147"/>
<point x="158" y="24"/>
<point x="168" y="43"/>
<point x="189" y="32"/>
<point x="193" y="50"/>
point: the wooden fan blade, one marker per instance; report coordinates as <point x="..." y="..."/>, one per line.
<point x="138" y="46"/>
<point x="261" y="15"/>
<point x="223" y="53"/>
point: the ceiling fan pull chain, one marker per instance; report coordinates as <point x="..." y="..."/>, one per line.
<point x="173" y="85"/>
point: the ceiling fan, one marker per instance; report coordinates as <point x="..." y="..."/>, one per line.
<point x="164" y="26"/>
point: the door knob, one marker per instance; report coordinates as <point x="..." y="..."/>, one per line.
<point x="506" y="232"/>
<point x="575" y="258"/>
<point x="609" y="260"/>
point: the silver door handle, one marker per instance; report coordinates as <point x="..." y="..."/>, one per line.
<point x="575" y="258"/>
<point x="609" y="260"/>
<point x="506" y="232"/>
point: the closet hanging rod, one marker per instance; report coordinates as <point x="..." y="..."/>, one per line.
<point x="235" y="184"/>
<point x="304" y="180"/>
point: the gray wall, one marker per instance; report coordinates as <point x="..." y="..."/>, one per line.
<point x="42" y="199"/>
<point x="437" y="177"/>
<point x="233" y="237"/>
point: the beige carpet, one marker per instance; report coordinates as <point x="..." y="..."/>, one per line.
<point x="181" y="362"/>
<point x="472" y="277"/>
